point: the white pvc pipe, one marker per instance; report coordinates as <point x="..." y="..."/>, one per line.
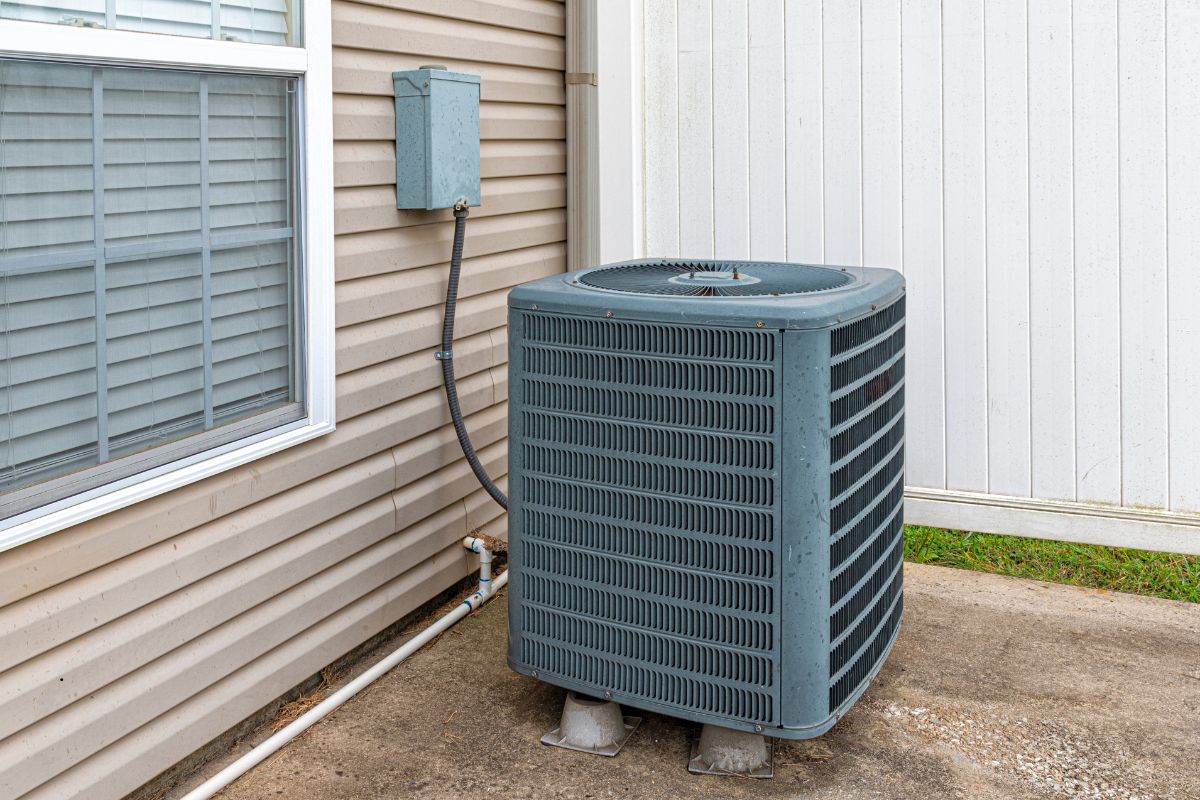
<point x="487" y="589"/>
<point x="477" y="545"/>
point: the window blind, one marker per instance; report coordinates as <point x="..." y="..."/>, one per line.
<point x="259" y="21"/>
<point x="147" y="262"/>
<point x="248" y="133"/>
<point x="47" y="311"/>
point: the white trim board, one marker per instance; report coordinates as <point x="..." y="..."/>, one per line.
<point x="1085" y="523"/>
<point x="42" y="40"/>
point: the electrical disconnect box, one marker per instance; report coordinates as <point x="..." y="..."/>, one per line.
<point x="437" y="138"/>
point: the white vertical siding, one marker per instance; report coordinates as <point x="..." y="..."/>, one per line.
<point x="882" y="173"/>
<point x="1006" y="198"/>
<point x="1051" y="251"/>
<point x="730" y="130"/>
<point x="1142" y="144"/>
<point x="1183" y="252"/>
<point x="1097" y="241"/>
<point x="964" y="280"/>
<point x="661" y="134"/>
<point x="841" y="114"/>
<point x="921" y="212"/>
<point x="1032" y="168"/>
<point x="804" y="142"/>
<point x="768" y="183"/>
<point x="695" y="116"/>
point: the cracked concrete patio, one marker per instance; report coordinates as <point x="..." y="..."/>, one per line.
<point x="997" y="688"/>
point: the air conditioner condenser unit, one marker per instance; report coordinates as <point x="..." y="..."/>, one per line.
<point x="706" y="478"/>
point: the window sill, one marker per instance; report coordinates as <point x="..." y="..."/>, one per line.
<point x="35" y="524"/>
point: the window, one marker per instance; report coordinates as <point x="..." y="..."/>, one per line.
<point x="262" y="21"/>
<point x="165" y="253"/>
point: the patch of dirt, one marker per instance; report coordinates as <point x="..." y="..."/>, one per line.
<point x="1058" y="759"/>
<point x="292" y="711"/>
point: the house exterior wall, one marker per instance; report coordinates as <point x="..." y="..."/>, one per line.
<point x="1032" y="171"/>
<point x="131" y="641"/>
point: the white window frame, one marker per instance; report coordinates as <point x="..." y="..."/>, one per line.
<point x="313" y="64"/>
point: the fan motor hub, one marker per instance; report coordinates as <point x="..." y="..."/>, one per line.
<point x="714" y="278"/>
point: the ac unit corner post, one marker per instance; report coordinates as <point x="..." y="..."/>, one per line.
<point x="803" y="552"/>
<point x="707" y="489"/>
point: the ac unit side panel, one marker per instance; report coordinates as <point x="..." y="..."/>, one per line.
<point x="645" y="514"/>
<point x="865" y="585"/>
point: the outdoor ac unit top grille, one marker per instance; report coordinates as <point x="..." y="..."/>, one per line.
<point x="866" y="489"/>
<point x="648" y="511"/>
<point x="715" y="278"/>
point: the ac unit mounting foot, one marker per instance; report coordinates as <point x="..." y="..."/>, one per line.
<point x="721" y="751"/>
<point x="591" y="726"/>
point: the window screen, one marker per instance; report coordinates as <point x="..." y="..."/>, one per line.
<point x="148" y="270"/>
<point x="259" y="21"/>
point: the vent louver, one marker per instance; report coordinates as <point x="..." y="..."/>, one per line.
<point x="662" y="483"/>
<point x="588" y="392"/>
<point x="866" y="492"/>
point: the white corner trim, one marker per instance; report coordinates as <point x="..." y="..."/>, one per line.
<point x="1085" y="523"/>
<point x="318" y="214"/>
<point x="314" y="64"/>
<point x="617" y="189"/>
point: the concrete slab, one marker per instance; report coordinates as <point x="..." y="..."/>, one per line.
<point x="997" y="688"/>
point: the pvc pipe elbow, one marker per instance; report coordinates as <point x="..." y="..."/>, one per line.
<point x="478" y="545"/>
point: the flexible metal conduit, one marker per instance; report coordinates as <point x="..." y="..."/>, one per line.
<point x="487" y="589"/>
<point x="446" y="356"/>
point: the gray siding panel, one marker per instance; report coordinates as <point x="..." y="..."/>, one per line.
<point x="131" y="641"/>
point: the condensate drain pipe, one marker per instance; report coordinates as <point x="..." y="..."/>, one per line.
<point x="478" y="545"/>
<point x="487" y="589"/>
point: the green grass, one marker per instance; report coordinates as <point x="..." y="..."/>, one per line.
<point x="1166" y="575"/>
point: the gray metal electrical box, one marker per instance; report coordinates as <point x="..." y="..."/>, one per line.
<point x="437" y="138"/>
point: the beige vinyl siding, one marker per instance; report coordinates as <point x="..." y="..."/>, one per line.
<point x="131" y="641"/>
